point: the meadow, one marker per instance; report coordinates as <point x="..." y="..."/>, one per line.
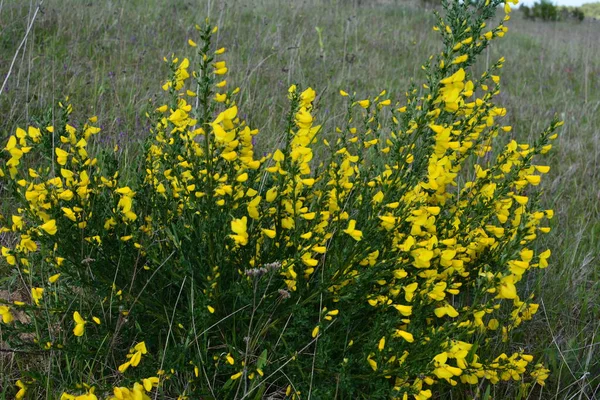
<point x="107" y="56"/>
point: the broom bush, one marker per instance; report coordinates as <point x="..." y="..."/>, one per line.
<point x="383" y="258"/>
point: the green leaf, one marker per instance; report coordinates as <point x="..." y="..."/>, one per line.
<point x="262" y="359"/>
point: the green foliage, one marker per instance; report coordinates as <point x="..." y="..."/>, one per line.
<point x="547" y="11"/>
<point x="578" y="14"/>
<point x="591" y="10"/>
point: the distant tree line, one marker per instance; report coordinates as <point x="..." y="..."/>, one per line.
<point x="591" y="10"/>
<point x="439" y="2"/>
<point x="546" y="11"/>
<point x="543" y="10"/>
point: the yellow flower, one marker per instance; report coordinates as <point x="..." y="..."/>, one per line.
<point x="364" y="103"/>
<point x="238" y="226"/>
<point x="79" y="324"/>
<point x="17" y="222"/>
<point x="315" y="332"/>
<point x="36" y="294"/>
<point x="446" y="310"/>
<point x="443" y="370"/>
<point x="10" y="259"/>
<point x="271" y="194"/>
<point x="135" y="356"/>
<point x="49" y="227"/>
<point x="460" y="59"/>
<point x="372" y="362"/>
<point x="66" y="195"/>
<point x="404" y="310"/>
<point x="53" y="278"/>
<point x="355" y="233"/>
<point x="135" y="359"/>
<point x="11" y="144"/>
<point x="61" y="156"/>
<point x="409" y="291"/>
<point x="242" y="177"/>
<point x="149" y="383"/>
<point x="523" y="200"/>
<point x="507" y="289"/>
<point x="540" y="374"/>
<point x="422" y="257"/>
<point x="404" y="335"/>
<point x="22" y="390"/>
<point x="141" y="347"/>
<point x="27" y="244"/>
<point x="543" y="169"/>
<point x="7" y="317"/>
<point x="381" y="344"/>
<point x="533" y="179"/>
<point x="123" y="367"/>
<point x="270" y="233"/>
<point x="544" y="258"/>
<point x="69" y="213"/>
<point x="88" y="396"/>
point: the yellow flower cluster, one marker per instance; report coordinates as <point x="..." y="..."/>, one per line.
<point x="139" y="391"/>
<point x="408" y="217"/>
<point x="134" y="356"/>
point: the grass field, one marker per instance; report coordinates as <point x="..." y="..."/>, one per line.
<point x="107" y="56"/>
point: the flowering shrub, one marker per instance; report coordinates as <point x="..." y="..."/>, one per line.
<point x="385" y="265"/>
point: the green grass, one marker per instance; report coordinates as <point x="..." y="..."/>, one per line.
<point x="107" y="56"/>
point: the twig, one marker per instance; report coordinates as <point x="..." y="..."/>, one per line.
<point x="22" y="351"/>
<point x="170" y="329"/>
<point x="12" y="64"/>
<point x="218" y="322"/>
<point x="197" y="344"/>
<point x="564" y="360"/>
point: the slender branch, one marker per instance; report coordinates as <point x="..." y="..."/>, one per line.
<point x="12" y="64"/>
